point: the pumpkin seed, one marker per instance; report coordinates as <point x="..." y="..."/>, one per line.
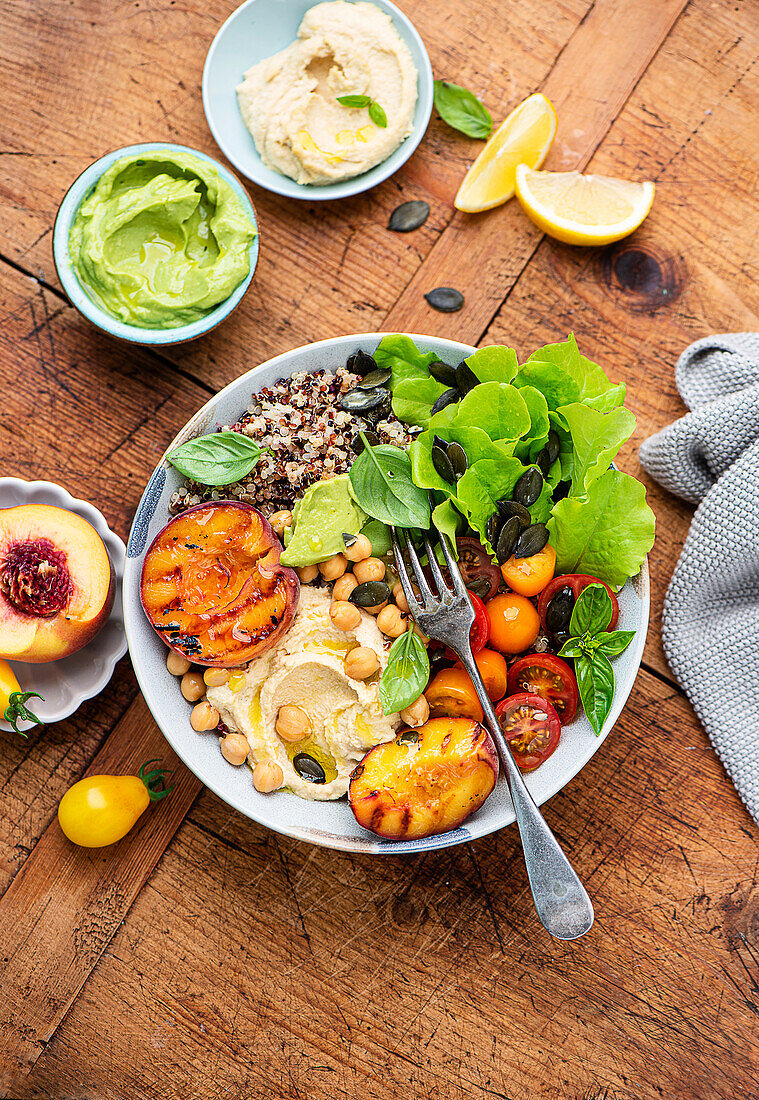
<point x="375" y="378"/>
<point x="443" y="372"/>
<point x="528" y="487"/>
<point x="349" y="539"/>
<point x="363" y="400"/>
<point x="493" y="529"/>
<point x="561" y="491"/>
<point x="438" y="441"/>
<point x="357" y="444"/>
<point x="559" y="610"/>
<point x="409" y="215"/>
<point x="466" y="379"/>
<point x="445" y="299"/>
<point x="531" y="541"/>
<point x="508" y="539"/>
<point x="443" y="465"/>
<point x="360" y="363"/>
<point x="308" y="768"/>
<point x="408" y="737"/>
<point x="543" y="462"/>
<point x="509" y="508"/>
<point x="480" y="587"/>
<point x="445" y="399"/>
<point x="370" y="594"/>
<point x="458" y="459"/>
<point x="553" y="446"/>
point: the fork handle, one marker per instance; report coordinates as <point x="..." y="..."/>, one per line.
<point x="563" y="905"/>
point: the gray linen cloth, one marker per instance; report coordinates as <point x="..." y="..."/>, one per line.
<point x="711" y="611"/>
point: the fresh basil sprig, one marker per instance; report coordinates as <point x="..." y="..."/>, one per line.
<point x="406" y="674"/>
<point x="382" y="485"/>
<point x="462" y="110"/>
<point x="217" y="459"/>
<point x="376" y="113"/>
<point x="591" y="645"/>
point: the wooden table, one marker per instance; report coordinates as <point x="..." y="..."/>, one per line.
<point x="205" y="957"/>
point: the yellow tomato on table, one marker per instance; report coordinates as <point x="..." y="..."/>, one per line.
<point x="101" y="809"/>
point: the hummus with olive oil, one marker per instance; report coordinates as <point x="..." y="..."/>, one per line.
<point x="307" y="670"/>
<point x="289" y="102"/>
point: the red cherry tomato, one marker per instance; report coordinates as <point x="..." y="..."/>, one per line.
<point x="549" y="677"/>
<point x="576" y="582"/>
<point x="532" y="728"/>
<point x="480" y="574"/>
<point x="480" y="630"/>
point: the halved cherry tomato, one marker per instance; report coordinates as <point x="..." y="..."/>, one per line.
<point x="549" y="677"/>
<point x="532" y="728"/>
<point x="480" y="629"/>
<point x="575" y="582"/>
<point x="514" y="622"/>
<point x="479" y="572"/>
<point x="494" y="672"/>
<point x="528" y="576"/>
<point x="451" y="694"/>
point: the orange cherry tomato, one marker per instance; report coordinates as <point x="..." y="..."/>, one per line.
<point x="514" y="622"/>
<point x="494" y="672"/>
<point x="451" y="695"/>
<point x="528" y="576"/>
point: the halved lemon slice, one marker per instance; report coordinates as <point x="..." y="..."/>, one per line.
<point x="523" y="138"/>
<point x="582" y="209"/>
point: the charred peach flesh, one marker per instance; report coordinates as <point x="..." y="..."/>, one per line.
<point x="213" y="588"/>
<point x="425" y="782"/>
<point x="56" y="583"/>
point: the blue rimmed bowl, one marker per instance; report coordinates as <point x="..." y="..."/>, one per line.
<point x="255" y="31"/>
<point x="330" y="824"/>
<point x="78" y="296"/>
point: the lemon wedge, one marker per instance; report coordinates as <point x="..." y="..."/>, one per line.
<point x="582" y="209"/>
<point x="524" y="137"/>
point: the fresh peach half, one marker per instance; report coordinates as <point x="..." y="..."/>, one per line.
<point x="425" y="782"/>
<point x="213" y="588"/>
<point x="56" y="583"/>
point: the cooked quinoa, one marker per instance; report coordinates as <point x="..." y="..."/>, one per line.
<point x="305" y="437"/>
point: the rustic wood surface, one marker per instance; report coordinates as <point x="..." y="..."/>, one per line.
<point x="205" y="957"/>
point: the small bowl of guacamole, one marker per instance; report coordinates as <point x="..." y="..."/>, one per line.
<point x="156" y="243"/>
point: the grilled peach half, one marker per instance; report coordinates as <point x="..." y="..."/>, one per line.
<point x="425" y="782"/>
<point x="212" y="585"/>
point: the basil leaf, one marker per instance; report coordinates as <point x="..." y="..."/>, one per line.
<point x="406" y="674"/>
<point x="595" y="682"/>
<point x="592" y="611"/>
<point x="377" y="114"/>
<point x="614" y="643"/>
<point x="354" y="101"/>
<point x="217" y="459"/>
<point x="572" y="648"/>
<point x="462" y="110"/>
<point x="381" y="484"/>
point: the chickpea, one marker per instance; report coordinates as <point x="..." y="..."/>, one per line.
<point x="370" y="569"/>
<point x="334" y="567"/>
<point x="293" y="724"/>
<point x="359" y="550"/>
<point x="176" y="663"/>
<point x="344" y="615"/>
<point x="215" y="677"/>
<point x="400" y="597"/>
<point x="343" y="586"/>
<point x="192" y="686"/>
<point x="307" y="573"/>
<point x="361" y="663"/>
<point x="417" y="714"/>
<point x="281" y="520"/>
<point x="234" y="748"/>
<point x="204" y="717"/>
<point x="392" y="621"/>
<point x="267" y="777"/>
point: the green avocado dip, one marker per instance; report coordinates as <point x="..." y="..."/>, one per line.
<point x="161" y="240"/>
<point x="326" y="511"/>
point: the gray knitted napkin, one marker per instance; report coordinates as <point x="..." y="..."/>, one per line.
<point x="711" y="611"/>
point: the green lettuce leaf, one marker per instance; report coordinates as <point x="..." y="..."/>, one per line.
<point x="449" y="520"/>
<point x="476" y="442"/>
<point x="557" y="385"/>
<point x="596" y="439"/>
<point x="496" y="407"/>
<point x="484" y="483"/>
<point x="533" y="441"/>
<point x="606" y="533"/>
<point x="413" y="399"/>
<point x="496" y="363"/>
<point x="404" y="359"/>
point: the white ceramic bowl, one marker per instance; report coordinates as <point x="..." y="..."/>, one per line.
<point x="65" y="684"/>
<point x="330" y="824"/>
<point x="260" y="28"/>
<point x="78" y="296"/>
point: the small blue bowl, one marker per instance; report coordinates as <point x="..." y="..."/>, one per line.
<point x="78" y="296"/>
<point x="260" y="28"/>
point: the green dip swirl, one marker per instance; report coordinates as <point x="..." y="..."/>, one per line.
<point x="161" y="240"/>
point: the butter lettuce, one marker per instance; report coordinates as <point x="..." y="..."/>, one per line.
<point x="497" y="408"/>
<point x="413" y="399"/>
<point x="596" y="438"/>
<point x="401" y="355"/>
<point x="495" y="363"/>
<point x="485" y="483"/>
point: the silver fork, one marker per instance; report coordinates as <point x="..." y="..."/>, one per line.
<point x="561" y="900"/>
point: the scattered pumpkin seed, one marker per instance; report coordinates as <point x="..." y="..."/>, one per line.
<point x="357" y="444"/>
<point x="458" y="459"/>
<point x="466" y="379"/>
<point x="528" y="487"/>
<point x="443" y="465"/>
<point x="409" y="215"/>
<point x="308" y="768"/>
<point x="445" y="299"/>
<point x="447" y="398"/>
<point x="443" y="372"/>
<point x="370" y="594"/>
<point x="508" y="539"/>
<point x="375" y="378"/>
<point x="531" y="541"/>
<point x="360" y="363"/>
<point x="363" y="400"/>
<point x="509" y="508"/>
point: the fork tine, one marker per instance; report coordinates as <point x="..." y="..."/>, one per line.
<point x="453" y="569"/>
<point x="442" y="587"/>
<point x="400" y="565"/>
<point x="419" y="576"/>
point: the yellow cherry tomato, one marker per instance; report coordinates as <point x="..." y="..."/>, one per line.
<point x="514" y="623"/>
<point x="13" y="700"/>
<point x="101" y="809"/>
<point x="528" y="576"/>
<point x="451" y="694"/>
